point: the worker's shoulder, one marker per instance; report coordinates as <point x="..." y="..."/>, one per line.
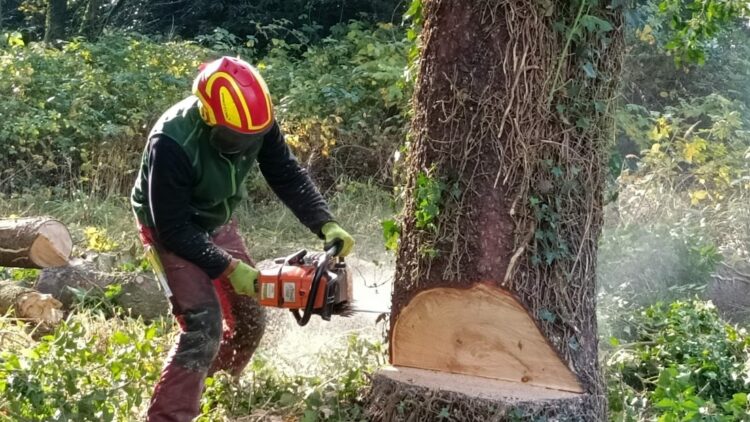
<point x="181" y="122"/>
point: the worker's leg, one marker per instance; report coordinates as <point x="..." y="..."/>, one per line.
<point x="245" y="318"/>
<point x="176" y="397"/>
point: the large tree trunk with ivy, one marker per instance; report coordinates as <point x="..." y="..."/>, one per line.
<point x="55" y="20"/>
<point x="493" y="309"/>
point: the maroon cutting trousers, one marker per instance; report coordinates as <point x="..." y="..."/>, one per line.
<point x="219" y="329"/>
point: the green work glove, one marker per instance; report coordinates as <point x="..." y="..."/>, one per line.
<point x="243" y="278"/>
<point x="334" y="233"/>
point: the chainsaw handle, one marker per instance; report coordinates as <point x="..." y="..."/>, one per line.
<point x="334" y="248"/>
<point x="320" y="269"/>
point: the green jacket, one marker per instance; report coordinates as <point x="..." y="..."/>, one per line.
<point x="219" y="180"/>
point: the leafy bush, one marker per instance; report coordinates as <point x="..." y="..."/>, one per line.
<point x="87" y="370"/>
<point x="343" y="103"/>
<point x="76" y="117"/>
<point x="700" y="147"/>
<point x="681" y="363"/>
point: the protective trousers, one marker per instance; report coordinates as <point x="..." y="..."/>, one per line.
<point x="219" y="329"/>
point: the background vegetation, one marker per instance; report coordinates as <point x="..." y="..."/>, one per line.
<point x="76" y="109"/>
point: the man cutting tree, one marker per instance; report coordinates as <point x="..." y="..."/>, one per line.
<point x="191" y="179"/>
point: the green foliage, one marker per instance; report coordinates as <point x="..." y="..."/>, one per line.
<point x="391" y="234"/>
<point x="639" y="264"/>
<point x="342" y="103"/>
<point x="98" y="300"/>
<point x="696" y="23"/>
<point x="698" y="147"/>
<point x="429" y="193"/>
<point x="549" y="247"/>
<point x="80" y="373"/>
<point x="77" y="116"/>
<point x="682" y="363"/>
<point x="26" y="276"/>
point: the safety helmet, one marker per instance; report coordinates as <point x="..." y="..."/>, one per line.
<point x="233" y="95"/>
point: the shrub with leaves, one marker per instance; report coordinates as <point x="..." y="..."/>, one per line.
<point x="89" y="369"/>
<point x="343" y="101"/>
<point x="700" y="147"/>
<point x="77" y="116"/>
<point x="680" y="363"/>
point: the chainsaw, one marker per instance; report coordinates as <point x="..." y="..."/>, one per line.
<point x="308" y="284"/>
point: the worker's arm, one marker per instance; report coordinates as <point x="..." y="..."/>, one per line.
<point x="291" y="183"/>
<point x="170" y="181"/>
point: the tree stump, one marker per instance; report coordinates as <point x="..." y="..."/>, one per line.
<point x="37" y="242"/>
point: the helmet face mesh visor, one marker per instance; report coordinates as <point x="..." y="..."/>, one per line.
<point x="228" y="141"/>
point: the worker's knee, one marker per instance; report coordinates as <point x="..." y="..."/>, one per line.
<point x="200" y="339"/>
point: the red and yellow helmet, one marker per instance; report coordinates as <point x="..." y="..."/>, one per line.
<point x="233" y="94"/>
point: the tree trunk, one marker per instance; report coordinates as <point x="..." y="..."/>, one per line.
<point x="90" y="24"/>
<point x="141" y="294"/>
<point x="34" y="243"/>
<point x="55" y="20"/>
<point x="493" y="310"/>
<point x="28" y="303"/>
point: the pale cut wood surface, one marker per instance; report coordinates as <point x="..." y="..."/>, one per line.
<point x="482" y="331"/>
<point x="29" y="303"/>
<point x="37" y="242"/>
<point x="483" y="388"/>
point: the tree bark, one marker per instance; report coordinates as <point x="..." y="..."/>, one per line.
<point x="141" y="295"/>
<point x="503" y="209"/>
<point x="28" y="303"/>
<point x="90" y="24"/>
<point x="34" y="243"/>
<point x="55" y="20"/>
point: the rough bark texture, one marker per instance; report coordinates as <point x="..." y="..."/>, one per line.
<point x="141" y="294"/>
<point x="392" y="400"/>
<point x="511" y="123"/>
<point x="729" y="290"/>
<point x="90" y="23"/>
<point x="29" y="303"/>
<point x="55" y="20"/>
<point x="34" y="243"/>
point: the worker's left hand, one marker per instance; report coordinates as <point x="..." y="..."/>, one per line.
<point x="334" y="233"/>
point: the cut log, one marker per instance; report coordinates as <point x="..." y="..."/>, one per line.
<point x="38" y="242"/>
<point x="482" y="331"/>
<point x="29" y="303"/>
<point x="141" y="294"/>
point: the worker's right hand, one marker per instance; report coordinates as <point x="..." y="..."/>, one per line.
<point x="243" y="278"/>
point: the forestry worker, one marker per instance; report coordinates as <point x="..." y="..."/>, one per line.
<point x="192" y="178"/>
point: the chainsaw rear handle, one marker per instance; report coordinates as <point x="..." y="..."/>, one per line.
<point x="320" y="269"/>
<point x="334" y="248"/>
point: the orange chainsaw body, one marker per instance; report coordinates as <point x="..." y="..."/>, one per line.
<point x="288" y="286"/>
<point x="291" y="283"/>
